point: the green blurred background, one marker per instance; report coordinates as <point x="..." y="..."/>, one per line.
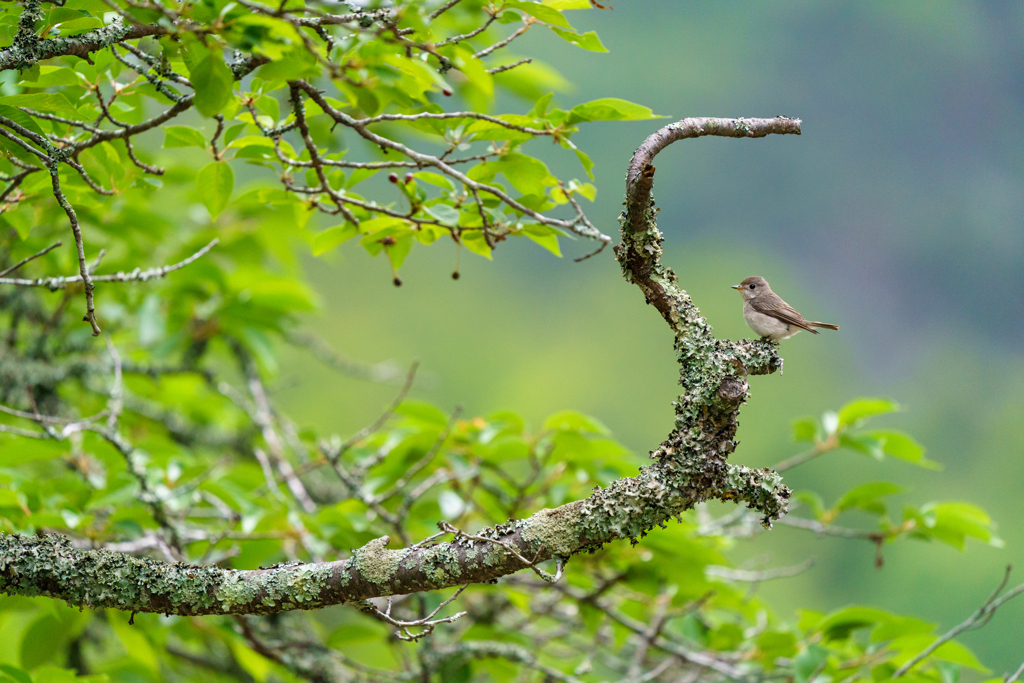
<point x="897" y="214"/>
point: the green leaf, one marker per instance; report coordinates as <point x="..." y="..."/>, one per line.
<point x="61" y="14"/>
<point x="298" y="63"/>
<point x="903" y="446"/>
<point x="446" y="215"/>
<point x="359" y="175"/>
<point x="183" y="136"/>
<point x="866" y="497"/>
<point x="53" y="75"/>
<point x="609" y="109"/>
<point x="953" y="522"/>
<point x="863" y="444"/>
<point x="957" y="653"/>
<point x="855" y="412"/>
<point x="540" y="107"/>
<point x="21" y="221"/>
<point x="424" y="413"/>
<point x="897" y="627"/>
<point x="805" y="429"/>
<point x="571" y="420"/>
<point x="808" y="662"/>
<point x="526" y="174"/>
<point x="331" y="237"/>
<point x="813" y="501"/>
<point x="950" y="651"/>
<point x="544" y="236"/>
<point x="475" y="71"/>
<point x="587" y="164"/>
<point x="587" y="190"/>
<point x="773" y="644"/>
<point x="568" y="4"/>
<point x="11" y="499"/>
<point x="17" y="674"/>
<point x="381" y="223"/>
<point x="77" y="26"/>
<point x="215" y="182"/>
<point x="549" y="15"/>
<point x="587" y="41"/>
<point x="94" y="7"/>
<point x="840" y="624"/>
<point x="212" y="80"/>
<point x="23" y="120"/>
<point x="474" y="241"/>
<point x="255" y="664"/>
<point x="399" y="250"/>
<point x="136" y="644"/>
<point x="435" y="179"/>
<point x="52" y="103"/>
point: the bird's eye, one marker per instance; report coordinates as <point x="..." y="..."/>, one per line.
<point x="752" y="286"/>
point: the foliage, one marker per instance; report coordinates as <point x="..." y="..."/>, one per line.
<point x="162" y="437"/>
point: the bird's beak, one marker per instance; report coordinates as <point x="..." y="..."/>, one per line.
<point x="736" y="286"/>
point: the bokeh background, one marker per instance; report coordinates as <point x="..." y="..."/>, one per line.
<point x="899" y="214"/>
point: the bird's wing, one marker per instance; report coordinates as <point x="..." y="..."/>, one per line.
<point x="774" y="306"/>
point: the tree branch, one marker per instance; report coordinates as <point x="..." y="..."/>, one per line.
<point x="976" y="620"/>
<point x="53" y="567"/>
<point x="690" y="467"/>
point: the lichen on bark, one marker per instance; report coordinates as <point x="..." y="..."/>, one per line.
<point x="690" y="465"/>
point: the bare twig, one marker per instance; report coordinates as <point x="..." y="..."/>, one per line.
<point x="137" y="275"/>
<point x="442" y="9"/>
<point x="509" y="67"/>
<point x="976" y="620"/>
<point x="502" y="43"/>
<point x="426" y="623"/>
<point x="758" y="576"/>
<point x="384" y="417"/>
<point x="531" y="564"/>
<point x="25" y="260"/>
<point x="820" y="448"/>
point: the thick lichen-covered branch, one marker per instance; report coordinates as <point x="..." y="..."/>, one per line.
<point x="29" y="49"/>
<point x="51" y="565"/>
<point x="712" y="371"/>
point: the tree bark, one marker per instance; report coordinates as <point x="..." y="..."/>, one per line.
<point x="690" y="466"/>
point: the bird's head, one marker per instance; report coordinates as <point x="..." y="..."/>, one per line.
<point x="752" y="286"/>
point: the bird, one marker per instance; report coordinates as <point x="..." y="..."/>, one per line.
<point x="768" y="315"/>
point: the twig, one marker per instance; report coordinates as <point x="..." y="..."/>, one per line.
<point x="758" y="576"/>
<point x="509" y="67"/>
<point x="25" y="260"/>
<point x="86" y="278"/>
<point x="703" y="659"/>
<point x="822" y="447"/>
<point x="137" y="275"/>
<point x="502" y="43"/>
<point x="549" y="578"/>
<point x="378" y="372"/>
<point x="442" y="9"/>
<point x="116" y="403"/>
<point x="976" y="620"/>
<point x="427" y="623"/>
<point x="404" y="480"/>
<point x="1015" y="675"/>
<point x="379" y="422"/>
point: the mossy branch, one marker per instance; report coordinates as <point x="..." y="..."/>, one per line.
<point x="51" y="566"/>
<point x="690" y="467"/>
<point x="713" y="372"/>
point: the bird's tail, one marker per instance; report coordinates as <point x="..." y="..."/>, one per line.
<point x="827" y="326"/>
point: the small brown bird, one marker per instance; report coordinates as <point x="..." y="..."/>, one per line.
<point x="768" y="315"/>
